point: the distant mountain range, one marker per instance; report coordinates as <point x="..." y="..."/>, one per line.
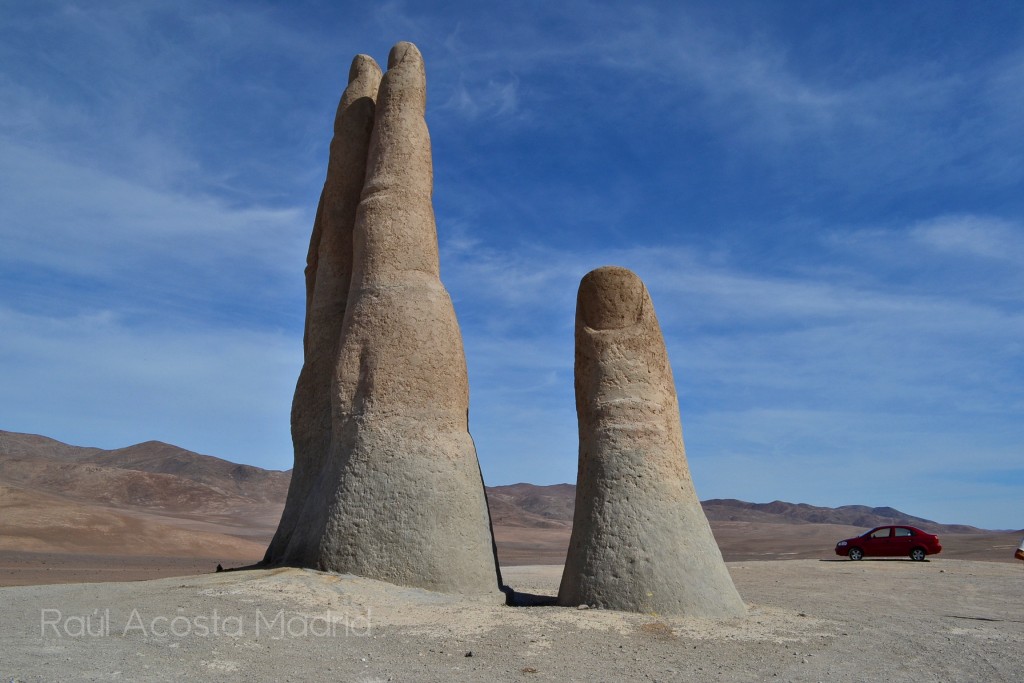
<point x="149" y="499"/>
<point x="802" y="513"/>
<point x="552" y="507"/>
<point x="153" y="474"/>
<point x="165" y="478"/>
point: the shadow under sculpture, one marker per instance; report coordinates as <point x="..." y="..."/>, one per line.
<point x="386" y="483"/>
<point x="640" y="540"/>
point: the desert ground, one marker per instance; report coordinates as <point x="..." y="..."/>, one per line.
<point x="809" y="620"/>
<point x="70" y="546"/>
<point x="107" y="565"/>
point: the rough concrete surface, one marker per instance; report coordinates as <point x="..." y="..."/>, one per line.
<point x="391" y="487"/>
<point x="328" y="275"/>
<point x="640" y="540"/>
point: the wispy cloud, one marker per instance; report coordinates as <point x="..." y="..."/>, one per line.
<point x="968" y="235"/>
<point x="864" y="121"/>
<point x="489" y="99"/>
<point x="159" y="249"/>
<point x="828" y="221"/>
<point x="844" y="373"/>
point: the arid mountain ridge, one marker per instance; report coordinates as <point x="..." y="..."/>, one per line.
<point x="72" y="513"/>
<point x="164" y="477"/>
<point x="175" y="476"/>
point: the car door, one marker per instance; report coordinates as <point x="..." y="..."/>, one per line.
<point x="877" y="542"/>
<point x="902" y="540"/>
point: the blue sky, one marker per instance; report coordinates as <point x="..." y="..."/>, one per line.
<point x="824" y="199"/>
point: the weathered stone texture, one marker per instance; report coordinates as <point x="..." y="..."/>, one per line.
<point x="390" y="486"/>
<point x="640" y="540"/>
<point x="328" y="274"/>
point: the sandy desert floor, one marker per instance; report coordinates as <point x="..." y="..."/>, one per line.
<point x="809" y="620"/>
<point x="135" y="561"/>
<point x="24" y="568"/>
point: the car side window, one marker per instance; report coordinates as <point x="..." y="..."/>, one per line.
<point x="904" y="532"/>
<point x="881" y="533"/>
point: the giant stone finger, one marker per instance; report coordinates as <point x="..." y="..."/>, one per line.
<point x="640" y="540"/>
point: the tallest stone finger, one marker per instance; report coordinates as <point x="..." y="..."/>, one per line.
<point x="401" y="498"/>
<point x="398" y="233"/>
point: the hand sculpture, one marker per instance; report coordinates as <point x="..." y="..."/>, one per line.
<point x="386" y="482"/>
<point x="640" y="541"/>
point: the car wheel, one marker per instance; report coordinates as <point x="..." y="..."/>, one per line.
<point x="917" y="554"/>
<point x="855" y="553"/>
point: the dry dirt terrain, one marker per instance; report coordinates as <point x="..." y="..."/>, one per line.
<point x="809" y="620"/>
<point x="113" y="526"/>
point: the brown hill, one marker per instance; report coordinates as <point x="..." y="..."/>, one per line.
<point x="215" y="477"/>
<point x="156" y="500"/>
<point x="97" y="484"/>
<point x="552" y="507"/>
<point x="163" y="476"/>
<point x="247" y="481"/>
<point x="802" y="513"/>
<point x="147" y="500"/>
<point x="15" y="444"/>
<point x="527" y="505"/>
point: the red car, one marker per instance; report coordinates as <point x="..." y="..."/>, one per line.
<point x="891" y="541"/>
